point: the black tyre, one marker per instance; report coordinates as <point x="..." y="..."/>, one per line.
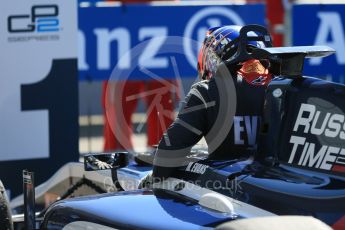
<point x="5" y="213"/>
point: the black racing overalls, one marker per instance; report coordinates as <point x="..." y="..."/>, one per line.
<point x="196" y="119"/>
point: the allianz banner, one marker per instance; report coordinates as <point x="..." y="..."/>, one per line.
<point x="39" y="88"/>
<point x="321" y="25"/>
<point x="165" y="34"/>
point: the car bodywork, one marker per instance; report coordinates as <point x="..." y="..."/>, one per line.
<point x="283" y="178"/>
<point x="144" y="209"/>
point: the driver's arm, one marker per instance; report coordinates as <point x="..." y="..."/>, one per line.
<point x="188" y="128"/>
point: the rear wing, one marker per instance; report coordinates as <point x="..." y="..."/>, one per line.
<point x="289" y="61"/>
<point x="306" y="51"/>
<point x="286" y="61"/>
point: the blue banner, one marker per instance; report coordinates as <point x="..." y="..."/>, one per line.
<point x="321" y="25"/>
<point x="163" y="39"/>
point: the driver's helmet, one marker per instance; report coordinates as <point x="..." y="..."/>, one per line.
<point x="220" y="44"/>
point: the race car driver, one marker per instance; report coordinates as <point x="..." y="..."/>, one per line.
<point x="202" y="104"/>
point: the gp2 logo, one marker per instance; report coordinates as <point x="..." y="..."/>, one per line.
<point x="43" y="19"/>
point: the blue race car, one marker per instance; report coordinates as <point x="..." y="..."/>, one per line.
<point x="298" y="170"/>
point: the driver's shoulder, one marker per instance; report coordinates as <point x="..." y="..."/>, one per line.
<point x="206" y="89"/>
<point x="201" y="86"/>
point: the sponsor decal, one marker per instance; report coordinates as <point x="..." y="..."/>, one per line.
<point x="245" y="129"/>
<point x="42" y="19"/>
<point x="196" y="168"/>
<point x="317" y="154"/>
